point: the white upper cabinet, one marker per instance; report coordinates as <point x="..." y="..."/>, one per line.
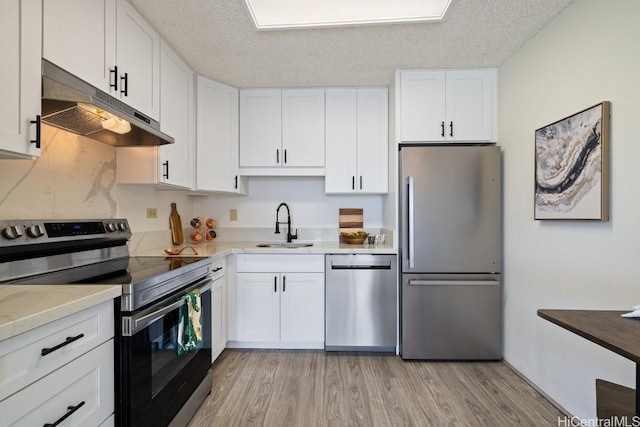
<point x="20" y="77"/>
<point x="138" y="60"/>
<point x="448" y="106"/>
<point x="169" y="165"/>
<point x="303" y="127"/>
<point x="357" y="141"/>
<point x="177" y="118"/>
<point x="108" y="44"/>
<point x="282" y="131"/>
<point x="217" y="138"/>
<point x="260" y="127"/>
<point x="68" y="26"/>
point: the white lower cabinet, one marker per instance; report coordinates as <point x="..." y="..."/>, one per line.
<point x="280" y="301"/>
<point x="60" y="371"/>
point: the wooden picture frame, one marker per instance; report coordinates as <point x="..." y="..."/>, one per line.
<point x="572" y="166"/>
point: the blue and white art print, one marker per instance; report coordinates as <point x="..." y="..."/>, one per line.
<point x="572" y="171"/>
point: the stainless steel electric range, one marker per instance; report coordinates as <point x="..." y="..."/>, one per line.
<point x="155" y="385"/>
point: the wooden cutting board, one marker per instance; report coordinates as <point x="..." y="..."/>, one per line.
<point x="177" y="235"/>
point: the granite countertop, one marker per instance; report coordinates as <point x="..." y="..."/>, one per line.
<point x="26" y="307"/>
<point x="217" y="249"/>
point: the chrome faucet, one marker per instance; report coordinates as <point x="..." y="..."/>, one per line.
<point x="290" y="236"/>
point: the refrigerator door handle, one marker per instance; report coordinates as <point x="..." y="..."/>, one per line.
<point x="410" y="222"/>
<point x="453" y="282"/>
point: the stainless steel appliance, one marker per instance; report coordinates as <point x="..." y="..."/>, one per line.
<point x="155" y="386"/>
<point x="450" y="247"/>
<point x="361" y="301"/>
<point x="72" y="104"/>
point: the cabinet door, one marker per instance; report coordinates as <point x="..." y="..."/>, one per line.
<point x="470" y="99"/>
<point x="86" y="383"/>
<point x="67" y="25"/>
<point x="340" y="140"/>
<point x="302" y="307"/>
<point x="373" y="137"/>
<point x="20" y="76"/>
<point x="177" y="118"/>
<point x="422" y="106"/>
<point x="260" y="128"/>
<point x="217" y="137"/>
<point x="258" y="307"/>
<point x="303" y="127"/>
<point x="138" y="58"/>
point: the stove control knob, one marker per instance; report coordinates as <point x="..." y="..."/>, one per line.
<point x="12" y="232"/>
<point x="111" y="227"/>
<point x="35" y="230"/>
<point x="122" y="226"/>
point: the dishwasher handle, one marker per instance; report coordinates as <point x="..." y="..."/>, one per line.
<point x="361" y="267"/>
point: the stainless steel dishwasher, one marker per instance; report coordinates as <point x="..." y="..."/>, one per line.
<point x="361" y="302"/>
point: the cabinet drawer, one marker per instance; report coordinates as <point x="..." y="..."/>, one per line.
<point x="88" y="379"/>
<point x="21" y="359"/>
<point x="260" y="263"/>
<point x="218" y="268"/>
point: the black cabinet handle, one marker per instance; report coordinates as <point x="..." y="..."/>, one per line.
<point x="113" y="71"/>
<point x="165" y="166"/>
<point x="353" y="182"/>
<point x="284" y="283"/>
<point x="38" y="124"/>
<point x="70" y="411"/>
<point x="235" y="185"/>
<point x="442" y="127"/>
<point x="285" y="156"/>
<point x="361" y="182"/>
<point x="451" y="128"/>
<point x="125" y="90"/>
<point x="68" y="341"/>
<point x="275" y="284"/>
<point x="278" y="156"/>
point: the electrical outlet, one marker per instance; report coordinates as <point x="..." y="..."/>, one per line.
<point x="233" y="214"/>
<point x="152" y="213"/>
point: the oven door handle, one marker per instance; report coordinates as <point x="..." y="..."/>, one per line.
<point x="133" y="324"/>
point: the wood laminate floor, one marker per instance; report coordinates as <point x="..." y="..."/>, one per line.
<point x="314" y="388"/>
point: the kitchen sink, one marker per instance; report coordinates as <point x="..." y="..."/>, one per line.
<point x="284" y="245"/>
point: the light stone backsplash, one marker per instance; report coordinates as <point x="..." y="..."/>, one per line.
<point x="74" y="178"/>
<point x="162" y="239"/>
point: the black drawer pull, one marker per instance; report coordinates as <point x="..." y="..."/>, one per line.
<point x="38" y="139"/>
<point x="70" y="411"/>
<point x="68" y="341"/>
<point x="442" y="127"/>
<point x="113" y="71"/>
<point x="165" y="173"/>
<point x="124" y="88"/>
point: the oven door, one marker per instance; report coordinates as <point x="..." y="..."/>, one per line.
<point x="155" y="380"/>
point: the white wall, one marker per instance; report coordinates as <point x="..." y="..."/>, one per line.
<point x="588" y="54"/>
<point x="310" y="206"/>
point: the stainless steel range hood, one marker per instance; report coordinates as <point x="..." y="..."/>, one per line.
<point x="72" y="104"/>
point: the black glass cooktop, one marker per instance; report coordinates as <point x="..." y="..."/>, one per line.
<point x="141" y="269"/>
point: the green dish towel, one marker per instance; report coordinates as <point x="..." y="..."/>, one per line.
<point x="189" y="326"/>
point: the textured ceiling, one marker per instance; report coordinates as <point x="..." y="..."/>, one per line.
<point x="218" y="40"/>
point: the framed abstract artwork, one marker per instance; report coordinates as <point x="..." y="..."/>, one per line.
<point x="572" y="166"/>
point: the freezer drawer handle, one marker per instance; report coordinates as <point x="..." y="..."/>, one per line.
<point x="453" y="282"/>
<point x="361" y="267"/>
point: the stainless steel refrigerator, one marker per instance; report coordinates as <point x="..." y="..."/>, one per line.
<point x="451" y="250"/>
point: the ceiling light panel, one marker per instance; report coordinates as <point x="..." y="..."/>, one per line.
<point x="284" y="14"/>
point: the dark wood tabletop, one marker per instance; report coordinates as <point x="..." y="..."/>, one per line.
<point x="604" y="327"/>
